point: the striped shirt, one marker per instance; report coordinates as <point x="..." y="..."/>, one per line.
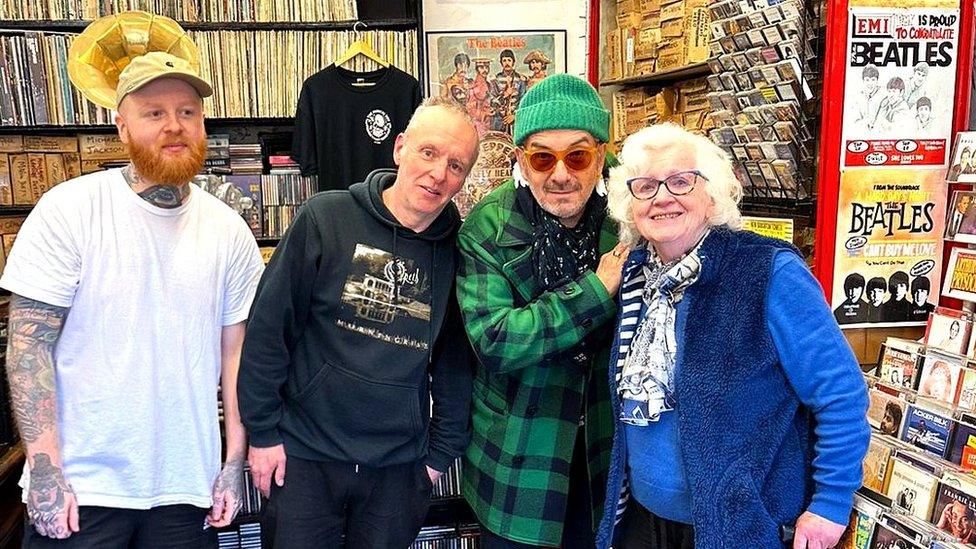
<point x="632" y="307"/>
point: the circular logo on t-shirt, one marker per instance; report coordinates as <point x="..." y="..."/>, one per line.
<point x="378" y="125"/>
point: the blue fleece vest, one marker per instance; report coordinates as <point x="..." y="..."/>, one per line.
<point x="745" y="439"/>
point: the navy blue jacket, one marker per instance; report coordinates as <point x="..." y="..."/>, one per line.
<point x="746" y="439"/>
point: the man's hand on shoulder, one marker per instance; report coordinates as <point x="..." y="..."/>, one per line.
<point x="610" y="269"/>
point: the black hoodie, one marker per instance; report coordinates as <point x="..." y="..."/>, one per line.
<point x="352" y="314"/>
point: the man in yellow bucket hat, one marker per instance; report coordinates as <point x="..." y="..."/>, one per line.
<point x="130" y="288"/>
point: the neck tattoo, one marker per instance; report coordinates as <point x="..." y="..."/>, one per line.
<point x="161" y="196"/>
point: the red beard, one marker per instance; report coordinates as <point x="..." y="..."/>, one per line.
<point x="163" y="169"/>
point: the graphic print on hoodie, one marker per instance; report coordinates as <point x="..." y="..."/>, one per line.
<point x="380" y="287"/>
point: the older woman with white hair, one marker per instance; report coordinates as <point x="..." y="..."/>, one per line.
<point x="740" y="409"/>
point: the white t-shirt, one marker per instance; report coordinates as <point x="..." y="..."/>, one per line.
<point x="138" y="362"/>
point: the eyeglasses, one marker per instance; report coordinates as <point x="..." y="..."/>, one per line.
<point x="576" y="158"/>
<point x="681" y="183"/>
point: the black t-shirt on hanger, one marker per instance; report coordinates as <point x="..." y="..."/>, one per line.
<point x="344" y="131"/>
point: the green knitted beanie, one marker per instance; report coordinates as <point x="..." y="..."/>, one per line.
<point x="562" y="102"/>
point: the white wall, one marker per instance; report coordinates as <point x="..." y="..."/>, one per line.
<point x="499" y="15"/>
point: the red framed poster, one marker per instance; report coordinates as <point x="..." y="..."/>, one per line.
<point x="890" y="107"/>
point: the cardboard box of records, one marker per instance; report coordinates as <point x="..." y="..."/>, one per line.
<point x="692" y="105"/>
<point x="685" y="34"/>
<point x="614" y="56"/>
<point x="634" y="108"/>
<point x="30" y="165"/>
<point x="100" y="149"/>
<point x="9" y="225"/>
<point x="627" y="7"/>
<point x="654" y="36"/>
<point x="685" y="104"/>
<point x="638" y="44"/>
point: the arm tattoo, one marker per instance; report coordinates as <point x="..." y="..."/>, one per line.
<point x="161" y="196"/>
<point x="34" y="329"/>
<point x="46" y="496"/>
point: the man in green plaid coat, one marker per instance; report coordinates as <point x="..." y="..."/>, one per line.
<point x="536" y="285"/>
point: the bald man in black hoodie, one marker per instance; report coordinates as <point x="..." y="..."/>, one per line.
<point x="354" y="327"/>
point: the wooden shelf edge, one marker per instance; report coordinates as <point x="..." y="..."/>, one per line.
<point x="15" y="210"/>
<point x="67" y="26"/>
<point x="679" y="73"/>
<point x="11" y="518"/>
<point x="10" y="459"/>
<point x="210" y="121"/>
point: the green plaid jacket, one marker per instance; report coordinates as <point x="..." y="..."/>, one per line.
<point x="528" y="394"/>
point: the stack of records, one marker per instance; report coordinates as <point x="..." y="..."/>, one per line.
<point x="245" y="159"/>
<point x="251" y="535"/>
<point x="281" y="164"/>
<point x="283" y="195"/>
<point x="252" y="498"/>
<point x="449" y="484"/>
<point x="448" y="537"/>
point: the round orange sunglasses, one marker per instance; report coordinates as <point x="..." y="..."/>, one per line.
<point x="575" y="158"/>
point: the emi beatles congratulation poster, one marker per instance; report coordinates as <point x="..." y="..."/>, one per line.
<point x="901" y="73"/>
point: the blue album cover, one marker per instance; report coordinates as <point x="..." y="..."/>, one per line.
<point x="963" y="449"/>
<point x="927" y="430"/>
<point x="241" y="192"/>
<point x="245" y="199"/>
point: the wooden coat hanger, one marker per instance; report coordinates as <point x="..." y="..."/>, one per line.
<point x="360" y="47"/>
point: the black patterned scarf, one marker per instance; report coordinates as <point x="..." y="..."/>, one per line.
<point x="559" y="253"/>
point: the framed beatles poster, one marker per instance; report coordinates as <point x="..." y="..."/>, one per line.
<point x="488" y="73"/>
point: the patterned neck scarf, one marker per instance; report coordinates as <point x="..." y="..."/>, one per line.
<point x="646" y="381"/>
<point x="559" y="253"/>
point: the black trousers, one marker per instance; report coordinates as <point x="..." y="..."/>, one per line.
<point x="166" y="527"/>
<point x="642" y="529"/>
<point x="578" y="526"/>
<point x="373" y="508"/>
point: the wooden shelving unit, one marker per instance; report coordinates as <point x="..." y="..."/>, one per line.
<point x="213" y="122"/>
<point x="664" y="77"/>
<point x="78" y="26"/>
<point x="11" y="509"/>
<point x="10" y="460"/>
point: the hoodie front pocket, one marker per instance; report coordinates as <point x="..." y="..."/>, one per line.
<point x="317" y="380"/>
<point x="363" y="412"/>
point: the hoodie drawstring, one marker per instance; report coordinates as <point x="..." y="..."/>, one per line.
<point x="430" y="323"/>
<point x="396" y="275"/>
